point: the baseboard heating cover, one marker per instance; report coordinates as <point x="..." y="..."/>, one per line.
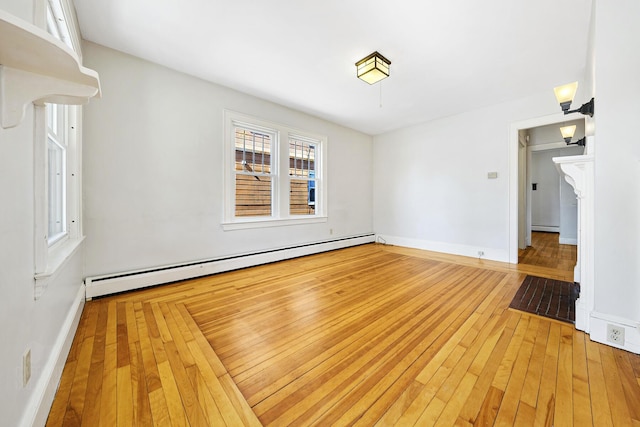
<point x="120" y="282"/>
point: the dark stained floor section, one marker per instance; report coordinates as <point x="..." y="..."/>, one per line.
<point x="546" y="297"/>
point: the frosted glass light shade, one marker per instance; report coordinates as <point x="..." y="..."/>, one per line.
<point x="568" y="132"/>
<point x="565" y="94"/>
<point x="373" y="68"/>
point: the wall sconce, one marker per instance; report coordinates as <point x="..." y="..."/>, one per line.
<point x="565" y="94"/>
<point x="567" y="133"/>
<point x="373" y="68"/>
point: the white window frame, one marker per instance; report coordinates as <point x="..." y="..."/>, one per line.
<point x="57" y="137"/>
<point x="52" y="252"/>
<point x="280" y="215"/>
<point x="301" y="176"/>
<point x="54" y="16"/>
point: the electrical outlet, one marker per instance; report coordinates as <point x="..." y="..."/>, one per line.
<point x="26" y="367"/>
<point x="480" y="254"/>
<point x="615" y="334"/>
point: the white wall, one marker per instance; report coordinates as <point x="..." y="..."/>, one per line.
<point x="22" y="9"/>
<point x="550" y="134"/>
<point x="25" y="322"/>
<point x="545" y="200"/>
<point x="153" y="171"/>
<point x="431" y="188"/>
<point x="546" y="141"/>
<point x="617" y="161"/>
<point x="554" y="203"/>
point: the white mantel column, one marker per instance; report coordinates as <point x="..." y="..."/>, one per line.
<point x="578" y="172"/>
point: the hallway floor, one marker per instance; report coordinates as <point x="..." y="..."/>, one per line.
<point x="546" y="251"/>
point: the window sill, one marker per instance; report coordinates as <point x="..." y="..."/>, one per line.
<point x="56" y="259"/>
<point x="264" y="223"/>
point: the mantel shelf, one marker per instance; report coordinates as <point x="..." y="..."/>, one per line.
<point x="36" y="68"/>
<point x="573" y="168"/>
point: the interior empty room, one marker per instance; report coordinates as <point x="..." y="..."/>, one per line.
<point x="284" y="213"/>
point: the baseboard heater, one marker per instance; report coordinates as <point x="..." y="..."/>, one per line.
<point x="120" y="282"/>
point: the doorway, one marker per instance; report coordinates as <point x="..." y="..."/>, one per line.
<point x="533" y="144"/>
<point x="550" y="203"/>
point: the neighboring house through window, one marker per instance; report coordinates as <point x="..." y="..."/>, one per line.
<point x="275" y="174"/>
<point x="302" y="172"/>
<point x="253" y="174"/>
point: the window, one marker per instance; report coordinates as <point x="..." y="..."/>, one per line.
<point x="58" y="231"/>
<point x="56" y="172"/>
<point x="56" y="22"/>
<point x="302" y="170"/>
<point x="253" y="179"/>
<point x="275" y="174"/>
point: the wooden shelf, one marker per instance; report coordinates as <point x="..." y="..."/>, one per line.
<point x="36" y="68"/>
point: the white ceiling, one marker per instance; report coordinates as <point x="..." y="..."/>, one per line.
<point x="447" y="56"/>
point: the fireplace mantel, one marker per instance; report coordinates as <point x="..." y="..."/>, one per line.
<point x="578" y="172"/>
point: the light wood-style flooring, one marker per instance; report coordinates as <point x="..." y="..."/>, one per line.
<point x="369" y="335"/>
<point x="546" y="251"/>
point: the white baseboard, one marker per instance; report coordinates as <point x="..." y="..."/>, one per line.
<point x="126" y="281"/>
<point x="598" y="326"/>
<point x="448" y="248"/>
<point x="568" y="241"/>
<point x="45" y="389"/>
<point x="547" y="228"/>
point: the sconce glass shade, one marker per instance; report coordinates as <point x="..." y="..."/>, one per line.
<point x="373" y="68"/>
<point x="565" y="94"/>
<point x="568" y="132"/>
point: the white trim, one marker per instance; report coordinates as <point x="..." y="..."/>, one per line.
<point x="546" y="228"/>
<point x="69" y="16"/>
<point x="45" y="389"/>
<point x="40" y="173"/>
<point x="72" y="24"/>
<point x="578" y="171"/>
<point x="447" y="248"/>
<point x="50" y="258"/>
<point x="271" y="222"/>
<point x="125" y="281"/>
<point x="514" y="144"/>
<point x="56" y="259"/>
<point x="568" y="241"/>
<point x="599" y="322"/>
<point x="549" y="146"/>
<point x="280" y="180"/>
<point x="58" y="135"/>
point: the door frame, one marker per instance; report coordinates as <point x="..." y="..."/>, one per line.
<point x="514" y="182"/>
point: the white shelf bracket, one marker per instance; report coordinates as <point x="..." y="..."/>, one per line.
<point x="36" y="68"/>
<point x="18" y="88"/>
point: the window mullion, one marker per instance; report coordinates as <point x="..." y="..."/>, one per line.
<point x="280" y="175"/>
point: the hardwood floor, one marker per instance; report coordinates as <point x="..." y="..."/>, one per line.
<point x="546" y="251"/>
<point x="370" y="335"/>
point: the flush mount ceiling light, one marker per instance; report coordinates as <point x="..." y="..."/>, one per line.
<point x="373" y="68"/>
<point x="568" y="132"/>
<point x="565" y="94"/>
